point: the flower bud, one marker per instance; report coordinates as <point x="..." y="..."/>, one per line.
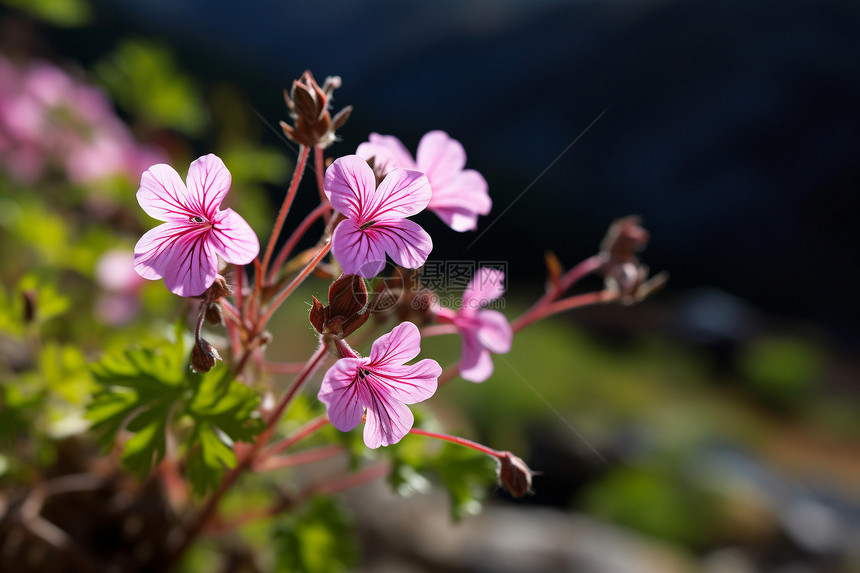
<point x="214" y="314"/>
<point x="203" y="356"/>
<point x="309" y="107"/>
<point x="625" y="275"/>
<point x="624" y="239"/>
<point x="220" y="288"/>
<point x="514" y="475"/>
<point x="346" y="312"/>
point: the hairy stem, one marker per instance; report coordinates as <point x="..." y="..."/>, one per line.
<point x="285" y="206"/>
<point x="459" y="441"/>
<point x="282" y="296"/>
<point x="297" y="234"/>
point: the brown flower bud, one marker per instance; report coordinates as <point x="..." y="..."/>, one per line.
<point x="203" y="356"/>
<point x="624" y="239"/>
<point x="346" y="311"/>
<point x="514" y="475"/>
<point x="220" y="288"/>
<point x="625" y="275"/>
<point x="214" y="314"/>
<point x="309" y="107"/>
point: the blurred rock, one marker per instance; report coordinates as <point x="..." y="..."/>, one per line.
<point x="502" y="539"/>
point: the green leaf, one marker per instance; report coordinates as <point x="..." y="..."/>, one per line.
<point x="147" y="390"/>
<point x="149" y="444"/>
<point x="319" y="538"/>
<point x="223" y="411"/>
<point x="208" y="459"/>
<point x="139" y="388"/>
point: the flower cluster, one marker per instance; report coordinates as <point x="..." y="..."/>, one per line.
<point x="367" y="203"/>
<point x="51" y="121"/>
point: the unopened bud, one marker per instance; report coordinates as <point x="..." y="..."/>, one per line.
<point x="346" y="311"/>
<point x="309" y="107"/>
<point x="514" y="475"/>
<point x="220" y="288"/>
<point x="214" y="314"/>
<point x="203" y="356"/>
<point x="624" y="239"/>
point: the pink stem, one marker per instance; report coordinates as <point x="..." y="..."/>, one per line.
<point x="285" y="207"/>
<point x="438" y="330"/>
<point x="459" y="441"/>
<point x="569" y="303"/>
<point x="300" y="434"/>
<point x="319" y="166"/>
<point x="295" y="237"/>
<point x="299" y="458"/>
<point x="282" y="296"/>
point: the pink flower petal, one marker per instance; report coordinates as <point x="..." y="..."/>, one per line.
<point x="349" y="184"/>
<point x="440" y="157"/>
<point x="405" y="241"/>
<point x="342" y="394"/>
<point x="495" y="333"/>
<point x="397" y="347"/>
<point x="357" y="251"/>
<point x="476" y="365"/>
<point x="485" y="286"/>
<point x="163" y="195"/>
<point x="401" y="194"/>
<point x="460" y="201"/>
<point x="233" y="238"/>
<point x="208" y="182"/>
<point x="410" y="383"/>
<point x="179" y="253"/>
<point x="388" y="420"/>
<point x="388" y="153"/>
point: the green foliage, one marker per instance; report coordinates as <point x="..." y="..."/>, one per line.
<point x="318" y="538"/>
<point x="150" y="389"/>
<point x="144" y="79"/>
<point x="465" y="473"/>
<point x="657" y="501"/>
<point x="781" y="370"/>
<point x="64" y="13"/>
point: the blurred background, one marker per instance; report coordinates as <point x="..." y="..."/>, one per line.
<point x="711" y="428"/>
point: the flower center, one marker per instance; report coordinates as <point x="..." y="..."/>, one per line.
<point x="367" y="225"/>
<point x="362" y="374"/>
<point x="196" y="219"/>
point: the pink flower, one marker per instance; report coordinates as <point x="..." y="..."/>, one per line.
<point x="184" y="250"/>
<point x="376" y="222"/>
<point x="120" y="301"/>
<point x="382" y="385"/>
<point x="459" y="195"/>
<point x="482" y="331"/>
<point x="50" y="120"/>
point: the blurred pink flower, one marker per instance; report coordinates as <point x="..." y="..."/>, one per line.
<point x="184" y="250"/>
<point x="50" y="120"/>
<point x="458" y="195"/>
<point x="382" y="385"/>
<point x="375" y="222"/>
<point x="115" y="274"/>
<point x="482" y="331"/>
